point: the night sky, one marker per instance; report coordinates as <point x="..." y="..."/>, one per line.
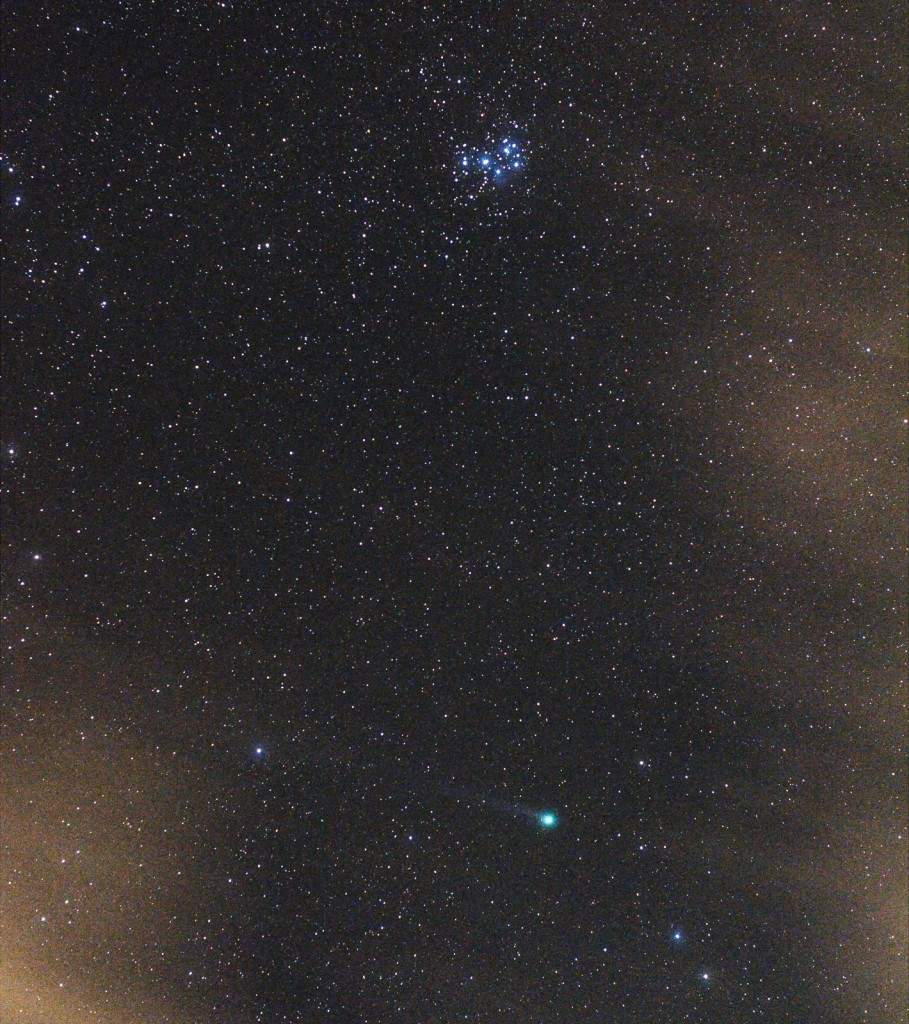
<point x="454" y="491"/>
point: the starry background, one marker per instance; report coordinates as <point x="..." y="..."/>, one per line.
<point x="362" y="506"/>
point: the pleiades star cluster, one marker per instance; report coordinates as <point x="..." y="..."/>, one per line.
<point x="454" y="525"/>
<point x="495" y="164"/>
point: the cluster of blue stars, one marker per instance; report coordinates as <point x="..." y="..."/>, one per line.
<point x="493" y="165"/>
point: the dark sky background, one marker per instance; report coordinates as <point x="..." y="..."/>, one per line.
<point x="360" y="507"/>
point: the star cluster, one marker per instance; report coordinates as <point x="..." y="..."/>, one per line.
<point x="497" y="164"/>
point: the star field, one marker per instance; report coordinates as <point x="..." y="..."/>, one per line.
<point x="454" y="514"/>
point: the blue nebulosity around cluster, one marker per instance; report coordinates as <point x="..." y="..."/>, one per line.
<point x="495" y="164"/>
